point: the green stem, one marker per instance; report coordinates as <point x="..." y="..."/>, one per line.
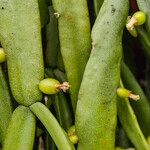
<point x="60" y="63"/>
<point x="122" y="139"/>
<point x="61" y="76"/>
<point x="130" y="124"/>
<point x="63" y="111"/>
<point x="75" y="40"/>
<point x="96" y="113"/>
<point x="5" y="106"/>
<point x="49" y="143"/>
<point x="44" y="16"/>
<point x="141" y="107"/>
<point x="145" y="41"/>
<point x="97" y="6"/>
<point x="49" y="121"/>
<point x="52" y="43"/>
<point x="21" y="131"/>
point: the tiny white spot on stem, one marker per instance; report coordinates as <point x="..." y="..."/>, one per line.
<point x="57" y="15"/>
<point x="45" y="99"/>
<point x="93" y="46"/>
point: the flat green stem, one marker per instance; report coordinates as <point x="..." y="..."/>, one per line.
<point x="145" y="41"/>
<point x="51" y="124"/>
<point x="63" y="111"/>
<point x="97" y="6"/>
<point x="5" y="105"/>
<point x="21" y="131"/>
<point x="129" y="122"/>
<point x="75" y="41"/>
<point x="141" y="107"/>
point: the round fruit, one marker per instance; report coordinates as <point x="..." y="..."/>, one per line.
<point x="49" y="86"/>
<point x="2" y="55"/>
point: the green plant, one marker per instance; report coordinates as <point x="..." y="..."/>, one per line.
<point x="96" y="108"/>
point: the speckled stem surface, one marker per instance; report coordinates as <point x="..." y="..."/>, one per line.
<point x="20" y="36"/>
<point x="75" y="41"/>
<point x="96" y="114"/>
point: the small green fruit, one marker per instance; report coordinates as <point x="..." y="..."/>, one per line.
<point x="2" y="55"/>
<point x="49" y="86"/>
<point x="123" y="93"/>
<point x="72" y="135"/>
<point x="73" y="139"/>
<point x="52" y="86"/>
<point x="140" y="17"/>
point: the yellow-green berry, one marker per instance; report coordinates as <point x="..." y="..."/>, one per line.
<point x="74" y="139"/>
<point x="49" y="86"/>
<point x="72" y="135"/>
<point x="2" y="55"/>
<point x="123" y="93"/>
<point x="140" y="18"/>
